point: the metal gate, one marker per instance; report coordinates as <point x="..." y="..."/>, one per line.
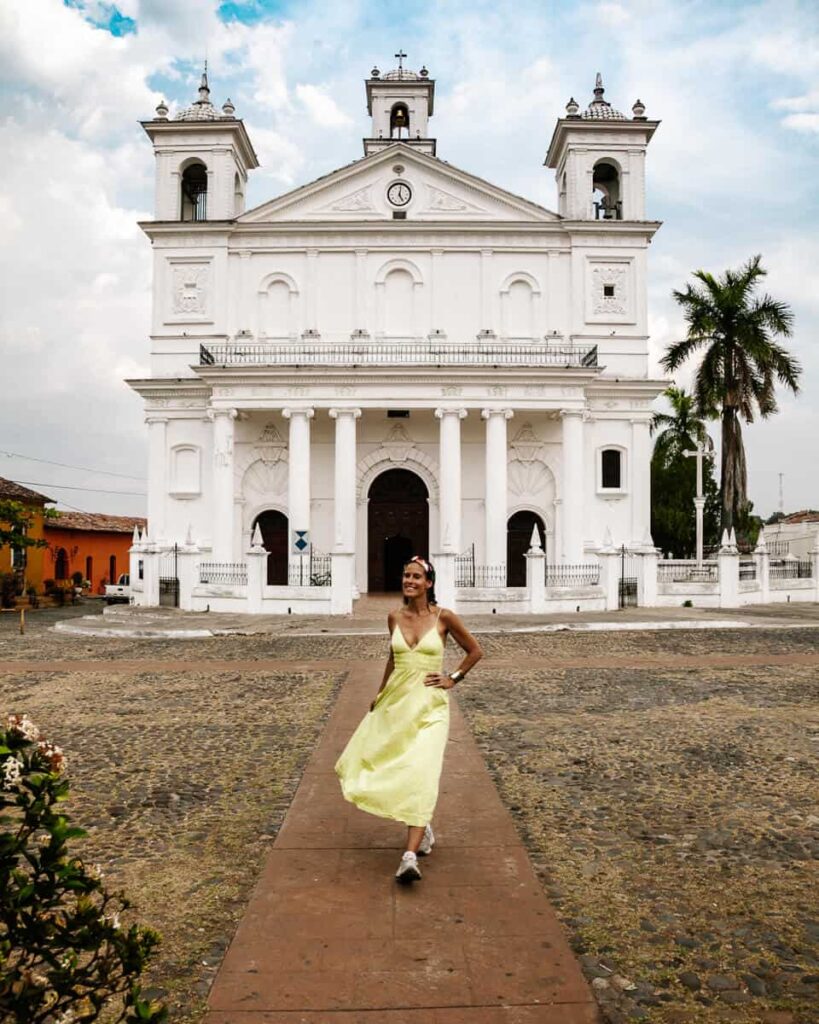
<point x="169" y="579"/>
<point x="627" y="584"/>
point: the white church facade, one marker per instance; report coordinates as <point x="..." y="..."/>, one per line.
<point x="397" y="358"/>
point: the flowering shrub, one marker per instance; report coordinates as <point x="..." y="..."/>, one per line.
<point x="64" y="953"/>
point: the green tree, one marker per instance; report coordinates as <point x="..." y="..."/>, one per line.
<point x="674" y="478"/>
<point x="742" y="361"/>
<point x="15" y="522"/>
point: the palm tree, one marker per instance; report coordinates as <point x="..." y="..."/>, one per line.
<point x="740" y="366"/>
<point x="682" y="429"/>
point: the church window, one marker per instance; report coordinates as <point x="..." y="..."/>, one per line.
<point x="238" y="195"/>
<point x="606" y="187"/>
<point x="611" y="464"/>
<point x="399" y="121"/>
<point x="194" y="192"/>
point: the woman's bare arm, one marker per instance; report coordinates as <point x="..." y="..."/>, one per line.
<point x="471" y="648"/>
<point x="390" y="666"/>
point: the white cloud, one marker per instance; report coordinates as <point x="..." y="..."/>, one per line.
<point x="322" y="108"/>
<point x="802" y="122"/>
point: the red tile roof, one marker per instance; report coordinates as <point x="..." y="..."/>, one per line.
<point x="96" y="521"/>
<point x="808" y="515"/>
<point x="16" y="492"/>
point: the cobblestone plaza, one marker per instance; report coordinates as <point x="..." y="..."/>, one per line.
<point x="663" y="784"/>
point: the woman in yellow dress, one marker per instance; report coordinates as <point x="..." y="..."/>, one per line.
<point x="392" y="764"/>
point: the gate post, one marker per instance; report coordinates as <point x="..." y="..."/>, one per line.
<point x="341" y="582"/>
<point x="814" y="556"/>
<point x="647" y="577"/>
<point x="728" y="558"/>
<point x="444" y="562"/>
<point x="536" y="575"/>
<point x="763" y="567"/>
<point x="187" y="572"/>
<point x="256" y="572"/>
<point x="609" y="560"/>
<point x="150" y="583"/>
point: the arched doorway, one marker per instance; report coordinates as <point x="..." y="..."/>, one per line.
<point x="518" y="539"/>
<point x="61" y="565"/>
<point x="397" y="526"/>
<point x="273" y="527"/>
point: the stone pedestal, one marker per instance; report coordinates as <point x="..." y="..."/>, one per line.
<point x="341" y="595"/>
<point x="256" y="575"/>
<point x="444" y="562"/>
<point x="728" y="559"/>
<point x="610" y="577"/>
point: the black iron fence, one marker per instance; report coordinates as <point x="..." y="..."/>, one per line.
<point x="791" y="569"/>
<point x="169" y="578"/>
<point x="223" y="573"/>
<point x="584" y="574"/>
<point x="674" y="570"/>
<point x="313" y="570"/>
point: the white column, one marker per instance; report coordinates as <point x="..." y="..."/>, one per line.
<point x="157" y="475"/>
<point x="640" y="474"/>
<point x="345" y="478"/>
<point x="222" y="539"/>
<point x="298" y="469"/>
<point x="572" y="504"/>
<point x="495" y="502"/>
<point x="450" y="478"/>
<point x="344" y="506"/>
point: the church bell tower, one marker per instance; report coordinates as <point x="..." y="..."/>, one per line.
<point x="598" y="156"/>
<point x="203" y="157"/>
<point x="400" y="104"/>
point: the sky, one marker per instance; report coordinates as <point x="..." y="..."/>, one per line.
<point x="731" y="172"/>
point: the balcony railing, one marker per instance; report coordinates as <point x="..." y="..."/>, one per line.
<point x="413" y="353"/>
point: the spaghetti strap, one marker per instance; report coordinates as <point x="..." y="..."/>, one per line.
<point x="439" y="614"/>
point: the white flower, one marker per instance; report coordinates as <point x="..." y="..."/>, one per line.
<point x="23" y="725"/>
<point x="66" y="1018"/>
<point x="11" y="773"/>
<point x="113" y="919"/>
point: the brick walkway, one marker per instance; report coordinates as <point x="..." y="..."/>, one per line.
<point x="329" y="938"/>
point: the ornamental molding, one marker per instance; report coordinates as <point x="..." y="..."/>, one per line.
<point x="270" y="447"/>
<point x="526" y="446"/>
<point x="399" y="448"/>
<point x="354" y="202"/>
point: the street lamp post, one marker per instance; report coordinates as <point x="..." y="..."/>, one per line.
<point x="700" y="453"/>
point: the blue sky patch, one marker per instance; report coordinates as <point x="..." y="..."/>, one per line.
<point x="249" y="12"/>
<point x="105" y="16"/>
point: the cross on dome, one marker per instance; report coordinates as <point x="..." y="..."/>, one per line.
<point x="400" y="56"/>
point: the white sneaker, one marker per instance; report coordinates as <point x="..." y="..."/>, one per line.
<point x="408" y="871"/>
<point x="425" y="849"/>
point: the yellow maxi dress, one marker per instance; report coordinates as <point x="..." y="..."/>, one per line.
<point x="392" y="764"/>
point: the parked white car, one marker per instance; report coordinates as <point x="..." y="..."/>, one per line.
<point x="119" y="591"/>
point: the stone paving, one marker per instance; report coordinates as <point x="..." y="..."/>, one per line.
<point x="664" y="785"/>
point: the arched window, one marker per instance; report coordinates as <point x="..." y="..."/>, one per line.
<point x="606" y="187"/>
<point x="61" y="565"/>
<point x="238" y="195"/>
<point x="112" y="569"/>
<point x="89" y="569"/>
<point x="194" y="192"/>
<point x="398" y="298"/>
<point x="611" y="469"/>
<point x="399" y="121"/>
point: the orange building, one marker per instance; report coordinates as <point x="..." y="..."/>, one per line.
<point x="91" y="543"/>
<point x="30" y="562"/>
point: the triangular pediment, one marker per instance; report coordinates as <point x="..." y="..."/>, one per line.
<point x="437" y="191"/>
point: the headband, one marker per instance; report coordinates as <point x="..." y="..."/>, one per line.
<point x="423" y="563"/>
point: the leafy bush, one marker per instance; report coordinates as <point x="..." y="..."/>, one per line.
<point x="64" y="954"/>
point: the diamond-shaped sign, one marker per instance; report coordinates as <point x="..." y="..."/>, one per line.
<point x="300" y="542"/>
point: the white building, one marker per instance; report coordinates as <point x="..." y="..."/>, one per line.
<point x="398" y="357"/>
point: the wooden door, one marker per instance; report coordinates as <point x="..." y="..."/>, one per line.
<point x="397" y="527"/>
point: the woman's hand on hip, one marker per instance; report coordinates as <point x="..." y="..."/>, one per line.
<point x="442" y="682"/>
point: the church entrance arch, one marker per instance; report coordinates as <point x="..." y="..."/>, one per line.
<point x="397" y="526"/>
<point x="273" y="527"/>
<point x="518" y="539"/>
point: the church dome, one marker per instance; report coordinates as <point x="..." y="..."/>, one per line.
<point x="402" y="75"/>
<point x="600" y="109"/>
<point x="202" y="109"/>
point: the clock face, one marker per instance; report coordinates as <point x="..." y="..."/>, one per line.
<point x="399" y="193"/>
